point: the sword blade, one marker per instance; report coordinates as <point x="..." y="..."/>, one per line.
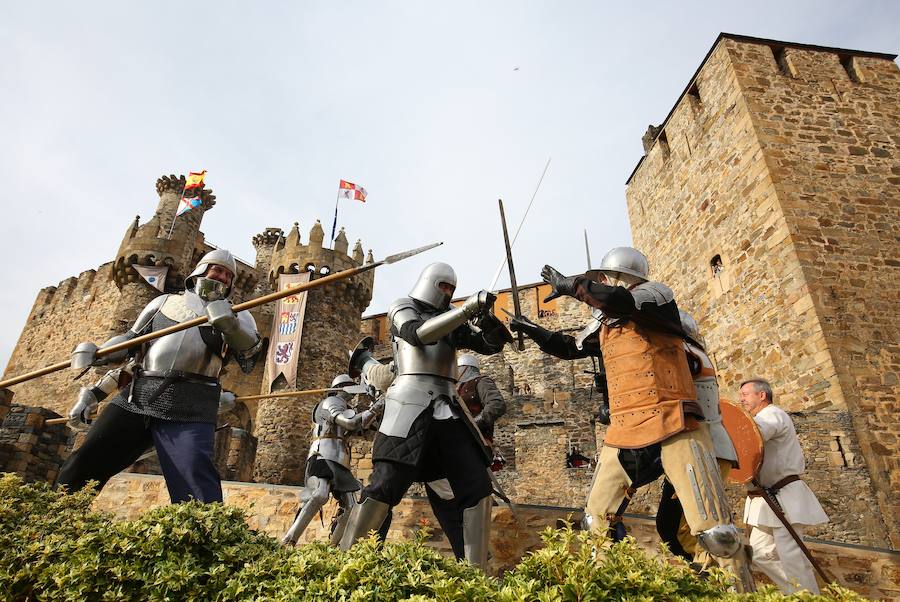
<point x="514" y="289"/>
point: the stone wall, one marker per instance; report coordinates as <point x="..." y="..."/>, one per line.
<point x="829" y="128"/>
<point x="77" y="309"/>
<point x="28" y="446"/>
<point x="737" y="177"/>
<point x="271" y="508"/>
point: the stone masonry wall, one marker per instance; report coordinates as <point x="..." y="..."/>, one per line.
<point x="28" y="446"/>
<point x="829" y="129"/>
<point x="703" y="194"/>
<point x="77" y="309"/>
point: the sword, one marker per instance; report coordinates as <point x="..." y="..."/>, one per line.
<point x="587" y="249"/>
<point x="776" y="508"/>
<point x="512" y="273"/>
<point x="485" y="449"/>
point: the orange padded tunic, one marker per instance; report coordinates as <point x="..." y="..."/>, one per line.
<point x="650" y="385"/>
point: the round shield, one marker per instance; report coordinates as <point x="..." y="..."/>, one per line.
<point x="358" y="354"/>
<point x="747" y="440"/>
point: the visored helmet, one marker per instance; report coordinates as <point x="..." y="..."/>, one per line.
<point x="467" y="359"/>
<point x="208" y="287"/>
<point x="342" y="380"/>
<point x="426" y="288"/>
<point x="626" y="260"/>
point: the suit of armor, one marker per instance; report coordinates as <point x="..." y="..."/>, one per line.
<point x="328" y="462"/>
<point x="654" y="414"/>
<point x="424" y="434"/>
<point x="173" y="398"/>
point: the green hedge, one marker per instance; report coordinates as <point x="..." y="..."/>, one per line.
<point x="53" y="547"/>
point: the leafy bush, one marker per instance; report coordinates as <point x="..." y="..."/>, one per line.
<point x="53" y="547"/>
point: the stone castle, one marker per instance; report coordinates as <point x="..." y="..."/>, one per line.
<point x="768" y="199"/>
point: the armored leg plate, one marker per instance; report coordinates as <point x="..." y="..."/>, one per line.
<point x="477" y="532"/>
<point x="364" y="517"/>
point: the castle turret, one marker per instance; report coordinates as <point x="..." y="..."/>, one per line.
<point x="330" y="328"/>
<point x="265" y="243"/>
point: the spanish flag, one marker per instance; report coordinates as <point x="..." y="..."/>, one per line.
<point x="195" y="180"/>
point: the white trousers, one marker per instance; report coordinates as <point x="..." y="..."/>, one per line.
<point x="777" y="555"/>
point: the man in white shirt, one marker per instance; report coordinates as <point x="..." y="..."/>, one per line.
<point x="774" y="550"/>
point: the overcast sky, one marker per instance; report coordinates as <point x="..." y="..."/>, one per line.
<point x="438" y="109"/>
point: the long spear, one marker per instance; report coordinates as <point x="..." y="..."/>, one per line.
<point x="239" y="307"/>
<point x="352" y="389"/>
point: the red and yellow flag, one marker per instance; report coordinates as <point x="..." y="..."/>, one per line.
<point x="195" y="180"/>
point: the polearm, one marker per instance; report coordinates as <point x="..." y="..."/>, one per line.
<point x="352" y="389"/>
<point x="512" y="273"/>
<point x="587" y="249"/>
<point x="239" y="307"/>
<point x="776" y="508"/>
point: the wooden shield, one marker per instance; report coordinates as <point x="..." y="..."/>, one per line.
<point x="748" y="441"/>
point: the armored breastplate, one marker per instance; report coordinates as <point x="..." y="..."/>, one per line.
<point x="197" y="350"/>
<point x="328" y="440"/>
<point x="438" y="359"/>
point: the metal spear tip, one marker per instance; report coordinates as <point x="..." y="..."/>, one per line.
<point x="407" y="254"/>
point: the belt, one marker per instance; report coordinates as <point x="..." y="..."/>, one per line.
<point x="178" y="375"/>
<point x="776" y="487"/>
<point x="169" y="377"/>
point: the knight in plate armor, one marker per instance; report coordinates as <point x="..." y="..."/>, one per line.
<point x="670" y="522"/>
<point x="328" y="463"/>
<point x="173" y="398"/>
<point x="653" y="405"/>
<point x="426" y="433"/>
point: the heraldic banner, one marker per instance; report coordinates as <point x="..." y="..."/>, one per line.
<point x="287" y="329"/>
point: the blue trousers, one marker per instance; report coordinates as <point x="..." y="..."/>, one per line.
<point x="118" y="437"/>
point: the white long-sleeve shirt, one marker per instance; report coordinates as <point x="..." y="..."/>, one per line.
<point x="783" y="457"/>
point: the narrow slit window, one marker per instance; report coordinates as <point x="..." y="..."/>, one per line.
<point x="849" y="65"/>
<point x="694" y="93"/>
<point x="663" y="142"/>
<point x="780" y="55"/>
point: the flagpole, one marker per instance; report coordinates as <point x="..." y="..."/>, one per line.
<point x="334" y="225"/>
<point x="177" y="208"/>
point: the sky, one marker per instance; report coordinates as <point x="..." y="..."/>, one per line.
<point x="437" y="109"/>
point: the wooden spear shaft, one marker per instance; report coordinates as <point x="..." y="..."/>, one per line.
<point x="239" y="307"/>
<point x="55" y="421"/>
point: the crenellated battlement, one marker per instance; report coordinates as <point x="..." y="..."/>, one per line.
<point x="290" y="256"/>
<point x="74" y="290"/>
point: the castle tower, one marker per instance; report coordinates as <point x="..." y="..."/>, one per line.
<point x="769" y="199"/>
<point x="265" y="243"/>
<point x="330" y="328"/>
